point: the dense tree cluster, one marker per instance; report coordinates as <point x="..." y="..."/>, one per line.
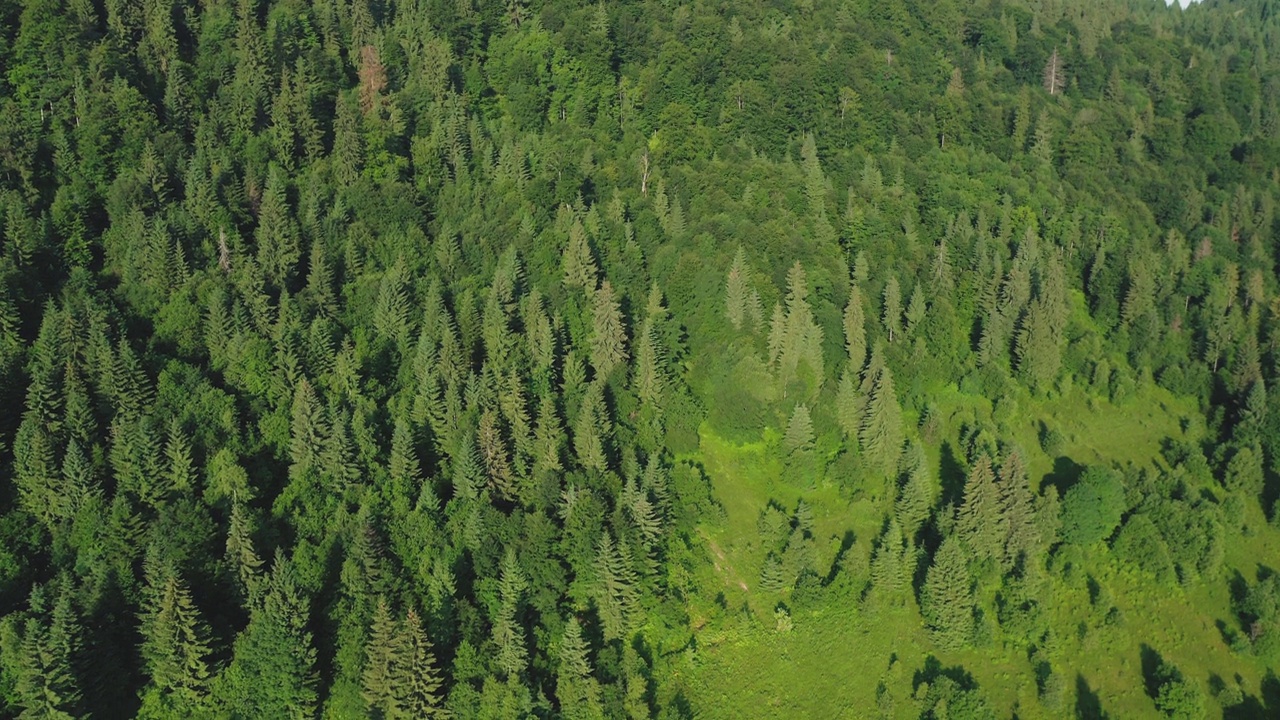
<point x="357" y="352"/>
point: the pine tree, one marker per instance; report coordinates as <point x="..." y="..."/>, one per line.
<point x="946" y="600"/>
<point x="174" y="646"/>
<point x="608" y="338"/>
<point x="855" y="331"/>
<point x="737" y="290"/>
<point x="891" y="314"/>
<point x="881" y="434"/>
<point x="508" y="635"/>
<point x="979" y="523"/>
<point x="591" y="430"/>
<point x="798" y="439"/>
<point x="576" y="688"/>
<point x="417" y="679"/>
<point x="382" y="665"/>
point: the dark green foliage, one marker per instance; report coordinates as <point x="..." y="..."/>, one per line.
<point x="430" y="301"/>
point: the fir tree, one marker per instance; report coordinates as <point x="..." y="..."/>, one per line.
<point x="798" y="439"/>
<point x="608" y="339"/>
<point x="855" y="331"/>
<point x="737" y="290"/>
<point x="946" y="600"/>
<point x="508" y="635"/>
<point x="891" y="313"/>
<point x="417" y="679"/>
<point x="175" y="649"/>
<point x="881" y="434"/>
<point x="576" y="689"/>
<point x="382" y="665"/>
<point x="979" y="523"/>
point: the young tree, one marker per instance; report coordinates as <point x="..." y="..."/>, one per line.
<point x="737" y="290"/>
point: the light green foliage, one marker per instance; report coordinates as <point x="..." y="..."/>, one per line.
<point x="1092" y="507"/>
<point x="946" y="600"/>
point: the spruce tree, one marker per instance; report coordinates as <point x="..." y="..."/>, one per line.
<point x="891" y="312"/>
<point x="591" y="430"/>
<point x="608" y="338"/>
<point x="798" y="439"/>
<point x="881" y="434"/>
<point x="576" y="688"/>
<point x="979" y="523"/>
<point x="174" y="648"/>
<point x="737" y="290"/>
<point x="508" y="635"/>
<point x="382" y="665"/>
<point x="855" y="331"/>
<point x="946" y="600"/>
<point x="417" y="680"/>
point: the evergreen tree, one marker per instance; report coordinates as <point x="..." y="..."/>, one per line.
<point x="855" y="331"/>
<point x="915" y="495"/>
<point x="946" y="599"/>
<point x="608" y="339"/>
<point x="798" y="439"/>
<point x="980" y="523"/>
<point x="737" y="290"/>
<point x="576" y="689"/>
<point x="508" y="635"/>
<point x="591" y="430"/>
<point x="881" y="434"/>
<point x="175" y="650"/>
<point x="615" y="591"/>
<point x="891" y="312"/>
<point x="382" y="665"/>
<point x="272" y="671"/>
<point x="417" y="678"/>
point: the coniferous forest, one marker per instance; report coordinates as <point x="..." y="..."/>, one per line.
<point x="639" y="359"/>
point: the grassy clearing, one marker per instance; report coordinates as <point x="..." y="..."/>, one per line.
<point x="834" y="657"/>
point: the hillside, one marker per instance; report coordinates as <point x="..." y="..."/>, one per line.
<point x="567" y="359"/>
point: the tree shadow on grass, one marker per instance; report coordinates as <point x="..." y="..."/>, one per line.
<point x="1088" y="705"/>
<point x="1065" y="473"/>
